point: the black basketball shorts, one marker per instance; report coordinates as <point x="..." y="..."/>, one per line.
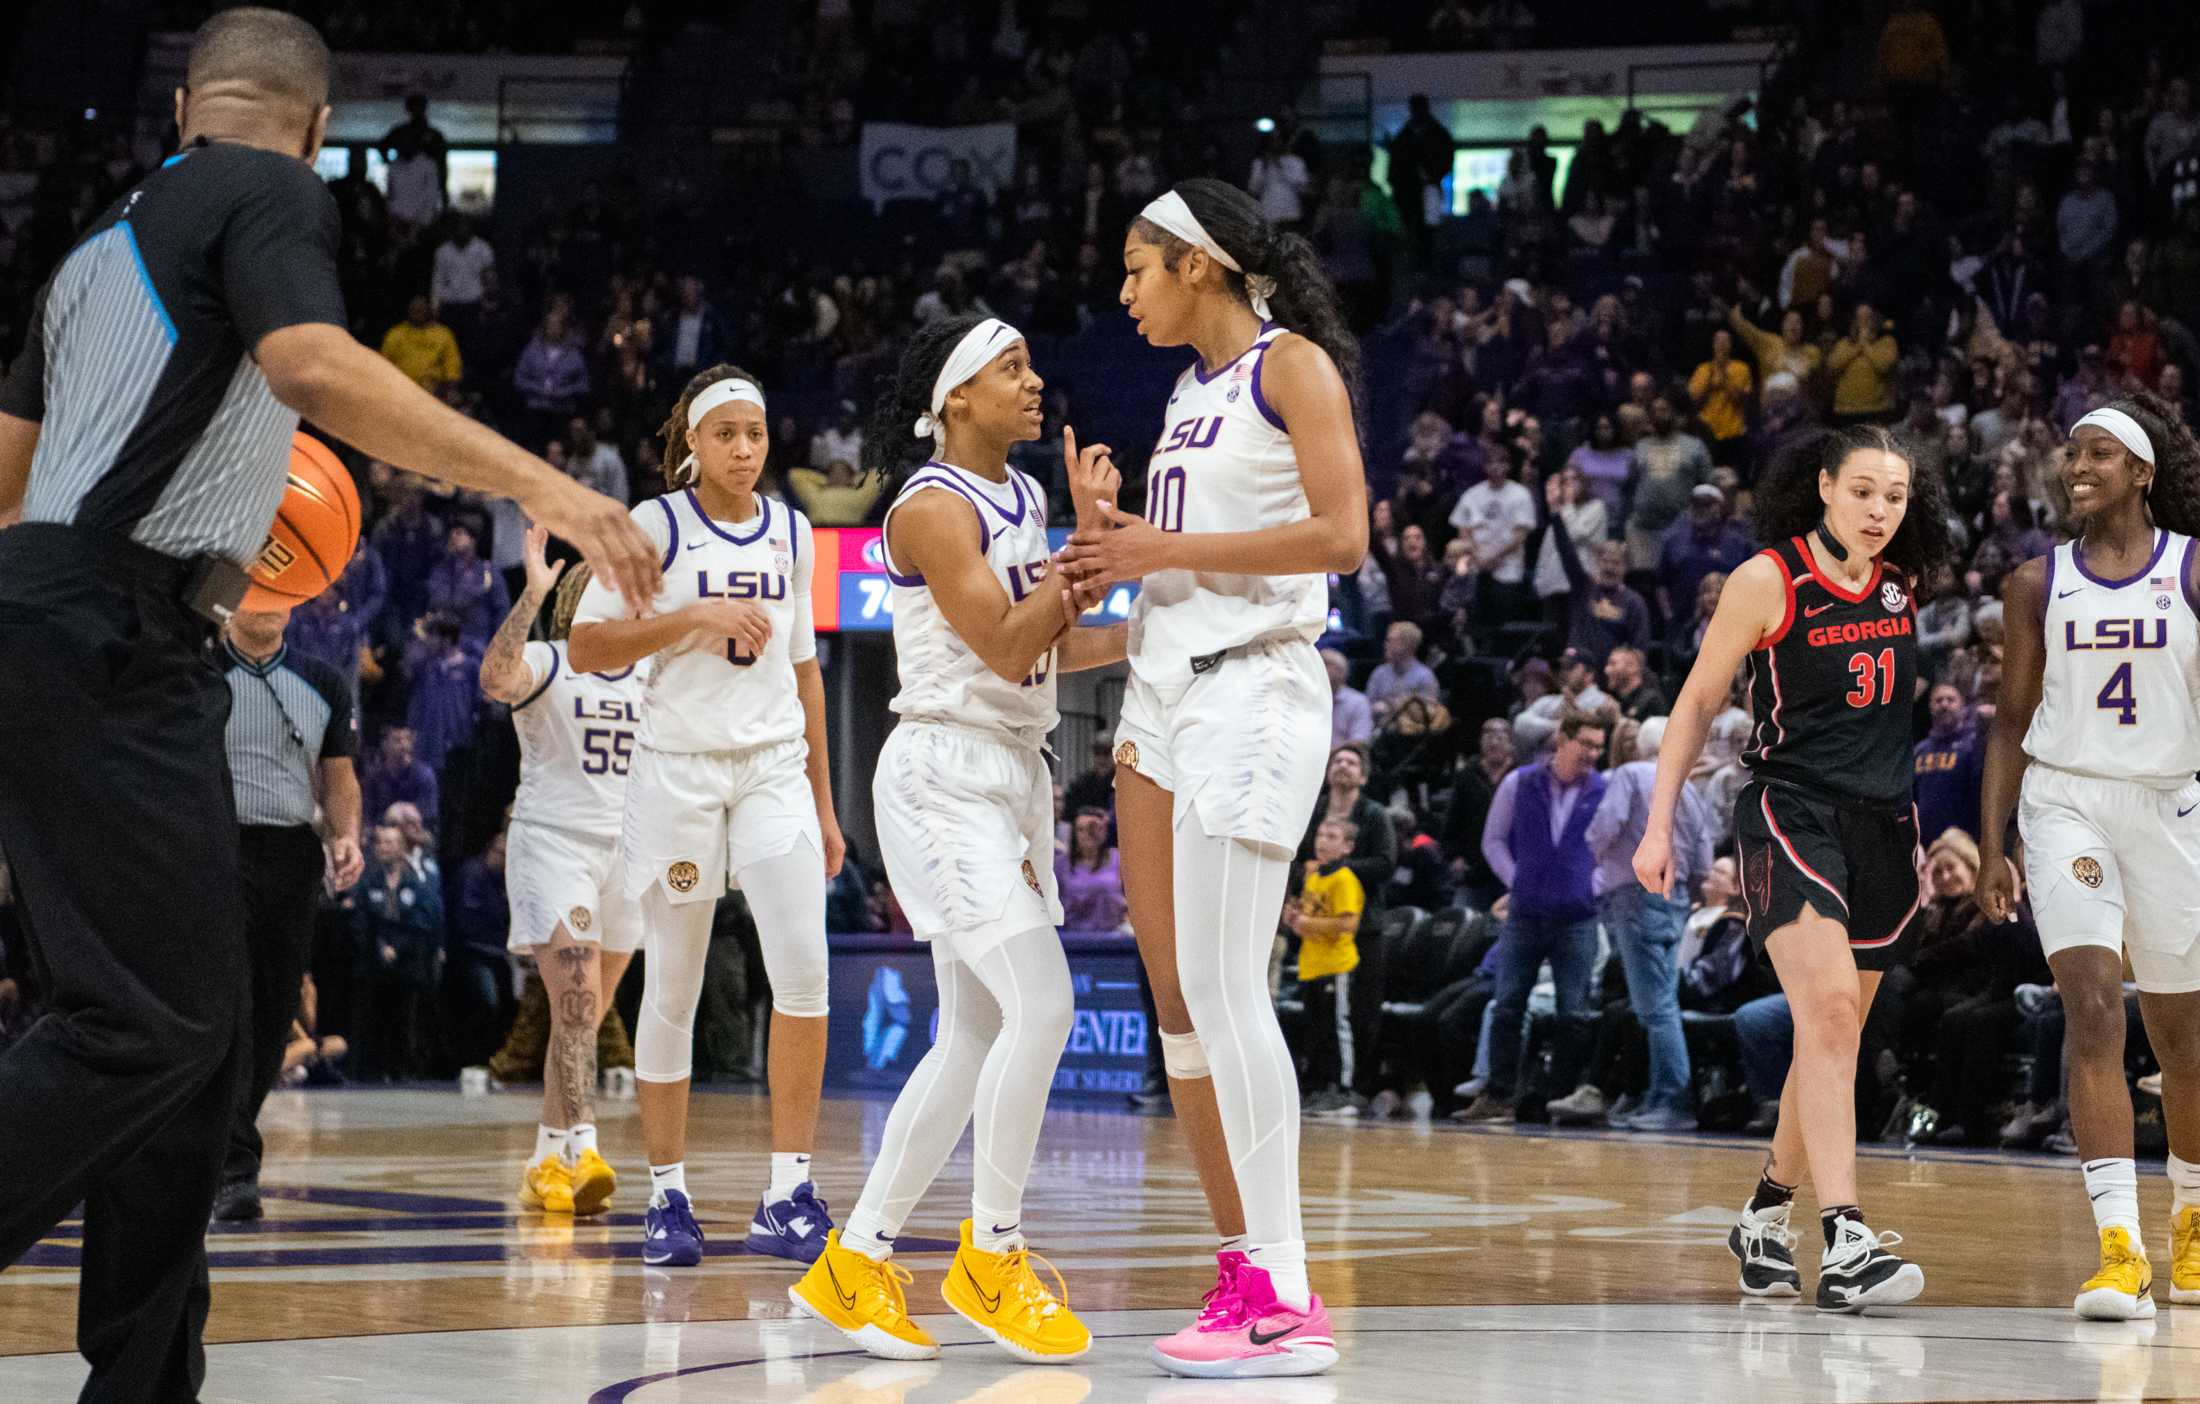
<point x="1849" y="860"/>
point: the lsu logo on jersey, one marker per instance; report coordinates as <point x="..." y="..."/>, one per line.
<point x="606" y="709"/>
<point x="1198" y="432"/>
<point x="1022" y="580"/>
<point x="741" y="585"/>
<point x="2114" y="635"/>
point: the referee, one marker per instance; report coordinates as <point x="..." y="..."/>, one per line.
<point x="144" y="433"/>
<point x="291" y="736"/>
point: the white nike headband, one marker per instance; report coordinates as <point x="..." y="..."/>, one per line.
<point x="971" y="354"/>
<point x="1169" y="212"/>
<point x="710" y="397"/>
<point x="2125" y="429"/>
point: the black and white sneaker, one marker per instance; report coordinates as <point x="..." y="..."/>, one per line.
<point x="1858" y="1271"/>
<point x="1766" y="1247"/>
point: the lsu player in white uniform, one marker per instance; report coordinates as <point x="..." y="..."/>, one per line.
<point x="965" y="809"/>
<point x="1254" y="492"/>
<point x="2096" y="737"/>
<point x="570" y="908"/>
<point x="730" y="779"/>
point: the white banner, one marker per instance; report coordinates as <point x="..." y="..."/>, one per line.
<point x="899" y="162"/>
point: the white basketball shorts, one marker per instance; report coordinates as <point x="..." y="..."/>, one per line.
<point x="1243" y="745"/>
<point x="692" y="817"/>
<point x="2116" y="864"/>
<point x="966" y="826"/>
<point x="557" y="876"/>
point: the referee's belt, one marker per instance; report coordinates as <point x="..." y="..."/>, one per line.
<point x="210" y="587"/>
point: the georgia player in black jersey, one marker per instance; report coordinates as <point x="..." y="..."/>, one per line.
<point x="1826" y="830"/>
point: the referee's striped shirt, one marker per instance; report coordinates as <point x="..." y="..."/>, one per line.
<point x="287" y="714"/>
<point x="156" y="423"/>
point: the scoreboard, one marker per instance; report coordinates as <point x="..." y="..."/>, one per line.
<point x="849" y="592"/>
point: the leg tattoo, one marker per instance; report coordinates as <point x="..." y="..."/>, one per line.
<point x="570" y="1068"/>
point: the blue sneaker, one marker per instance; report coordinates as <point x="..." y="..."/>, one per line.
<point x="793" y="1229"/>
<point x="670" y="1235"/>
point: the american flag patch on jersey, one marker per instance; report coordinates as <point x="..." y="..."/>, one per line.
<point x="2161" y="582"/>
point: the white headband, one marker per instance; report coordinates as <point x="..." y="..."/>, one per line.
<point x="1170" y="213"/>
<point x="971" y="354"/>
<point x="2124" y="427"/>
<point x="710" y="397"/>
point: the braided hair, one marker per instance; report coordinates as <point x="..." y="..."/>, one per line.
<point x="890" y="450"/>
<point x="565" y="600"/>
<point x="1788" y="504"/>
<point x="674" y="430"/>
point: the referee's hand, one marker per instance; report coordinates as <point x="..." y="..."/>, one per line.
<point x="603" y="533"/>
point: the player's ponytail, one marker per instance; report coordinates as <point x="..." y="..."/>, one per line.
<point x="891" y="449"/>
<point x="1787" y="502"/>
<point x="2174" y="496"/>
<point x="678" y="473"/>
<point x="1302" y="297"/>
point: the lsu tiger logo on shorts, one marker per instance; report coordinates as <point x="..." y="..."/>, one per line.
<point x="1031" y="877"/>
<point x="1126" y="755"/>
<point x="2086" y="870"/>
<point x="579" y="919"/>
<point x="682" y="876"/>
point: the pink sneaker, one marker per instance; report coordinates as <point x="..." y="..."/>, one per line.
<point x="1245" y="1333"/>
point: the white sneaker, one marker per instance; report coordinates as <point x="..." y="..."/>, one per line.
<point x="1765" y="1246"/>
<point x="1858" y="1271"/>
<point x="1470" y="1089"/>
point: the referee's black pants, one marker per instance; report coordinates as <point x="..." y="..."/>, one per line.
<point x="282" y="888"/>
<point x="116" y="817"/>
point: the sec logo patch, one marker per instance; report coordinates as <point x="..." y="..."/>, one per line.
<point x="1890" y="595"/>
<point x="2086" y="870"/>
<point x="682" y="877"/>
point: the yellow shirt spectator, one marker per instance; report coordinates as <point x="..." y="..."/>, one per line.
<point x="1333" y="900"/>
<point x="423" y="348"/>
<point x="1862" y="364"/>
<point x="835" y="496"/>
<point x="1785" y="352"/>
<point x="1720" y="388"/>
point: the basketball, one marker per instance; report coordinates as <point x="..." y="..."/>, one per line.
<point x="315" y="530"/>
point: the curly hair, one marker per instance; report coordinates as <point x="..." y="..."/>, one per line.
<point x="2174" y="495"/>
<point x="674" y="430"/>
<point x="1788" y="503"/>
<point x="1305" y="300"/>
<point x="565" y="601"/>
<point x="890" y="448"/>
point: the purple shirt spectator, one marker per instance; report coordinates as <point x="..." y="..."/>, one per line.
<point x="1092" y="898"/>
<point x="409" y="541"/>
<point x="444" y="675"/>
<point x="468" y="589"/>
<point x="552" y="375"/>
<point x="332" y="626"/>
<point x="1390" y="685"/>
<point x="396" y="775"/>
<point x="1708" y="540"/>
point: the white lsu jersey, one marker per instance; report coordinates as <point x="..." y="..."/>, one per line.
<point x="1224" y="463"/>
<point x="942" y="677"/>
<point x="576" y="741"/>
<point x="707" y="692"/>
<point x="2122" y="670"/>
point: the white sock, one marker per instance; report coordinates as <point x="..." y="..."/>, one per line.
<point x="1231" y="1243"/>
<point x="663" y="1178"/>
<point x="994" y="1232"/>
<point x="1285" y="1264"/>
<point x="2114" y="1188"/>
<point x="549" y="1140"/>
<point x="866" y="1234"/>
<point x="790" y="1171"/>
<point x="580" y="1138"/>
<point x="2184" y="1180"/>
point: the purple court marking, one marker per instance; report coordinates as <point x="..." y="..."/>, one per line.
<point x="614" y="1393"/>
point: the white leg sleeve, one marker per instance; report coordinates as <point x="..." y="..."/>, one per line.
<point x="1028" y="977"/>
<point x="934" y="1105"/>
<point x="787" y="897"/>
<point x="1229" y="894"/>
<point x="678" y="937"/>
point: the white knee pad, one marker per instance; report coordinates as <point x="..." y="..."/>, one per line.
<point x="1183" y="1057"/>
<point x="787" y="897"/>
<point x="672" y="985"/>
<point x="798" y="971"/>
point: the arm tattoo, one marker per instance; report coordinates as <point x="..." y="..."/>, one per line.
<point x="570" y="1067"/>
<point x="503" y="657"/>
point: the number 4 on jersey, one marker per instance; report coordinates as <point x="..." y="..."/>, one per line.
<point x="2117" y="696"/>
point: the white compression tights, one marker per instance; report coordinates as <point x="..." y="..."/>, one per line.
<point x="787" y="897"/>
<point x="1003" y="1021"/>
<point x="1229" y="893"/>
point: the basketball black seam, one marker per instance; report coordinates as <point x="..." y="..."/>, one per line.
<point x="307" y="547"/>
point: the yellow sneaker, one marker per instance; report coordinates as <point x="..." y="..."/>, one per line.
<point x="593" y="1182"/>
<point x="1000" y="1295"/>
<point x="862" y="1299"/>
<point x="2122" y="1289"/>
<point x="2184" y="1256"/>
<point x="547" y="1185"/>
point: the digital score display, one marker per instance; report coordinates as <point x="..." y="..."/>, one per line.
<point x="849" y="592"/>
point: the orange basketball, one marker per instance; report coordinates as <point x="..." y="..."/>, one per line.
<point x="315" y="532"/>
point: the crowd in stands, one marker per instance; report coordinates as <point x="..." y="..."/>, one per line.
<point x="1573" y="388"/>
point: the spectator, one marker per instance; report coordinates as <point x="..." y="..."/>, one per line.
<point x="1587" y="522"/>
<point x="397" y="937"/>
<point x="334" y="625"/>
<point x="1603" y="464"/>
<point x="1279" y="180"/>
<point x="1420" y="160"/>
<point x="1326" y="918"/>
<point x="1401" y="674"/>
<point x="552" y="374"/>
<point x="1603" y="612"/>
<point x="419" y="840"/>
<point x="1809" y="271"/>
<point x="1541" y="719"/>
<point x="1862" y="364"/>
<point x="1646" y="927"/>
<point x="1688" y="631"/>
<point x="1709" y="540"/>
<point x="397" y="776"/>
<point x="841" y="438"/>
<point x="2085" y="225"/>
<point x="1536" y="840"/>
<point x="422" y="347"/>
<point x="1788" y="352"/>
<point x="1373" y="855"/>
<point x="1415" y="579"/>
<point x="696" y="337"/>
<point x="467" y="588"/>
<point x="1351" y="719"/>
<point x="2135" y="349"/>
<point x="1720" y="389"/>
<point x="418" y="161"/>
<point x="1668" y="464"/>
<point x="461" y="264"/>
<point x="445" y="668"/>
<point x="1625" y="680"/>
<point x="1090" y="876"/>
<point x="1495" y="516"/>
<point x="591" y="461"/>
<point x="1950" y="766"/>
<point x="1469" y="810"/>
<point x="480" y="974"/>
<point x="2172" y="132"/>
<point x="838" y="496"/>
<point x="2084" y="392"/>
